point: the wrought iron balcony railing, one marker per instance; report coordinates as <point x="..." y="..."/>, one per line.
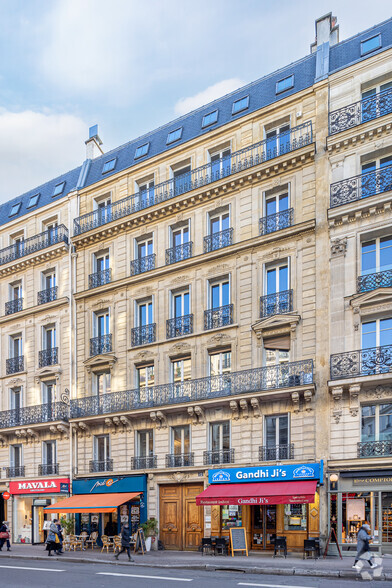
<point x="361" y="186"/>
<point x="48" y="357"/>
<point x="144" y="463"/>
<point x="244" y="159"/>
<point x="102" y="344"/>
<point x="364" y="362"/>
<point x="14" y="306"/>
<point x="100" y="278"/>
<point x="34" y="244"/>
<point x="360" y="112"/>
<point x="216" y="457"/>
<point x="14" y="365"/>
<point x="105" y="465"/>
<point x="278" y="303"/>
<point x="276" y="222"/>
<point x="180" y="460"/>
<point x="374" y="448"/>
<point x="143" y="335"/>
<point x="143" y="264"/>
<point x="34" y="415"/>
<point x="372" y="281"/>
<point x="47" y="295"/>
<point x="218" y="240"/>
<point x="285" y="375"/>
<point x="179" y="326"/>
<point x="179" y="252"/>
<point x="15" y="472"/>
<point x="218" y="317"/>
<point x="48" y="469"/>
<point x="276" y="452"/>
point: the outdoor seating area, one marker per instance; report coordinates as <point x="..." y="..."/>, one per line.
<point x="215" y="545"/>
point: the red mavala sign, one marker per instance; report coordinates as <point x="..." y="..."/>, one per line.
<point x="6" y="495"/>
<point x="38" y="486"/>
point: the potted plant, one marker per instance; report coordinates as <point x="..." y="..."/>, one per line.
<point x="150" y="528"/>
<point x="68" y="525"/>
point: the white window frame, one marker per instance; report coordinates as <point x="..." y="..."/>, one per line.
<point x="378" y="241"/>
<point x="276" y="196"/>
<point x="45" y="330"/>
<point x="44" y="391"/>
<point x="100" y="255"/>
<point x="12" y="340"/>
<point x="211" y="424"/>
<point x="221" y="372"/>
<point x="143" y="241"/>
<point x="96" y="385"/>
<point x="47" y="274"/>
<point x="181" y="293"/>
<point x="44" y="452"/>
<point x="18" y="285"/>
<point x="137" y="374"/>
<point x="139" y="303"/>
<point x="10" y="396"/>
<point x="214" y="282"/>
<point x="12" y="448"/>
<point x="107" y="448"/>
<point x="180" y="227"/>
<point x="283" y="414"/>
<point x="176" y="360"/>
<point x="183" y="427"/>
<point x="102" y="202"/>
<point x="267" y="267"/>
<point x="95" y="316"/>
<point x="377" y="321"/>
<point x="213" y="215"/>
<point x="138" y="444"/>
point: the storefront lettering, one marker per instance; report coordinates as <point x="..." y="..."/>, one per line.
<point x="276" y="473"/>
<point x="36" y="485"/>
<point x="107" y="483"/>
<point x="40" y="486"/>
<point x="375" y="480"/>
<point x="306" y="471"/>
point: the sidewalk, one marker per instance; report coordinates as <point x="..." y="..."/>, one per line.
<point x="332" y="567"/>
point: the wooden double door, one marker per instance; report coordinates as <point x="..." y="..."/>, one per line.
<point x="181" y="520"/>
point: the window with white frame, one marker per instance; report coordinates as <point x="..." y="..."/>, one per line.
<point x="220" y="163"/>
<point x="377" y="333"/>
<point x="16" y="292"/>
<point x="182" y="176"/>
<point x="219" y="436"/>
<point x="179" y="234"/>
<point x="51" y="227"/>
<point x="219" y="293"/>
<point x="276" y="278"/>
<point x="145" y="376"/>
<point x="144" y="247"/>
<point x="180" y="303"/>
<point x="101" y="261"/>
<point x="220" y="362"/>
<point x="373" y="103"/>
<point x="276" y="432"/>
<point x="48" y="279"/>
<point x="101" y="448"/>
<point x="144" y="313"/>
<point x="101" y="323"/>
<point x="16" y="457"/>
<point x="102" y="382"/>
<point x="376" y="255"/>
<point x="103" y="208"/>
<point x="145" y="443"/>
<point x="376" y="176"/>
<point x="180" y="440"/>
<point x="376" y="422"/>
<point x="181" y="370"/>
<point x="277" y="140"/>
<point x="16" y="398"/>
<point x="49" y="453"/>
<point x="218" y="221"/>
<point x="16" y="346"/>
<point x="48" y="392"/>
<point x="49" y="337"/>
<point x="145" y="193"/>
<point x="276" y="202"/>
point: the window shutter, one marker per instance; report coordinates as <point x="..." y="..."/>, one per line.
<point x="282" y="343"/>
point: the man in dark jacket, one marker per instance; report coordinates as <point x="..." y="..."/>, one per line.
<point x="125" y="542"/>
<point x="363" y="546"/>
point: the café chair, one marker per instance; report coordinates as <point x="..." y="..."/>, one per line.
<point x="206" y="546"/>
<point x="117" y="543"/>
<point x="92" y="540"/>
<point x="105" y="543"/>
<point x="280" y="545"/>
<point x="74" y="543"/>
<point x="221" y="546"/>
<point x="311" y="546"/>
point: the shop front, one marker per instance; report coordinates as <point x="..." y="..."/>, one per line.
<point x="268" y="501"/>
<point x="29" y="499"/>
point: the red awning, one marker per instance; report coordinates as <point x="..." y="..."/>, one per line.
<point x="259" y="493"/>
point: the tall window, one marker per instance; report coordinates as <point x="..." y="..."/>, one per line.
<point x="16" y="291"/>
<point x="16" y="456"/>
<point x="276" y="203"/>
<point x="373" y="107"/>
<point x="180" y="440"/>
<point x="101" y="261"/>
<point x="219" y="293"/>
<point x="15" y="398"/>
<point x="52" y="231"/>
<point x="146" y="195"/>
<point x="48" y="392"/>
<point x="16" y="346"/>
<point x="376" y="423"/>
<point x="220" y="363"/>
<point x="179" y="235"/>
<point x="277" y="141"/>
<point x="144" y="247"/>
<point x="181" y="370"/>
<point x="374" y="179"/>
<point x="145" y="443"/>
<point x="145" y="376"/>
<point x="277" y="437"/>
<point x="102" y="382"/>
<point x="144" y="314"/>
<point x="377" y="333"/>
<point x="101" y="323"/>
<point x="219" y="222"/>
<point x="48" y="280"/>
<point x="219" y="440"/>
<point x="277" y="278"/>
<point x="180" y="304"/>
<point x="182" y="180"/>
<point x="49" y="337"/>
<point x="376" y="255"/>
<point x="49" y="452"/>
<point x="103" y="207"/>
<point x="101" y="448"/>
<point x="220" y="164"/>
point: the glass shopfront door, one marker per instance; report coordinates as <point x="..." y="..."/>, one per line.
<point x="264" y="526"/>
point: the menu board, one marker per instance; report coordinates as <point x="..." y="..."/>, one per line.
<point x="238" y="540"/>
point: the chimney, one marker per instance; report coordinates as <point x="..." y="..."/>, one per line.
<point x="93" y="144"/>
<point x="327" y="31"/>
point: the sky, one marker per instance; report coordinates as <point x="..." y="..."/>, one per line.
<point x="132" y="65"/>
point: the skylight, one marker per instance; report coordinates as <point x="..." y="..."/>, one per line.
<point x="109" y="165"/>
<point x="33" y="200"/>
<point x="58" y="189"/>
<point x="174" y="136"/>
<point x="210" y="119"/>
<point x="284" y="84"/>
<point x="15" y="209"/>
<point x="142" y="150"/>
<point x="371" y="44"/>
<point x="241" y="104"/>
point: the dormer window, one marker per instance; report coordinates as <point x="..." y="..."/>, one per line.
<point x="240" y="105"/>
<point x="174" y="136"/>
<point x="285" y="84"/>
<point x="109" y="166"/>
<point x="209" y="119"/>
<point x="142" y="150"/>
<point x="15" y="209"/>
<point x="33" y="200"/>
<point x="58" y="189"/>
<point x="371" y="44"/>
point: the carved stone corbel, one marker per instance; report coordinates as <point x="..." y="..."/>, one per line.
<point x="64" y="430"/>
<point x="84" y="428"/>
<point x="295" y="401"/>
<point x="234" y="409"/>
<point x="32" y="434"/>
<point x="200" y="414"/>
<point x="256" y="407"/>
<point x="337" y="395"/>
<point x="53" y="429"/>
<point x="163" y="419"/>
<point x="109" y="423"/>
<point x="308" y="399"/>
<point x="3" y="441"/>
<point x="245" y="408"/>
<point x="193" y="415"/>
<point x="354" y="391"/>
<point x="126" y="423"/>
<point x="153" y="416"/>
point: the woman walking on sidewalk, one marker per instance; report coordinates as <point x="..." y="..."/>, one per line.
<point x="5" y="531"/>
<point x="53" y="541"/>
<point x="363" y="547"/>
<point x="125" y="542"/>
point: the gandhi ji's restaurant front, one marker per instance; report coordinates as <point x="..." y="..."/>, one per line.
<point x="279" y="500"/>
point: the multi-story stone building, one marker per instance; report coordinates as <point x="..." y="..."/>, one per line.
<point x="191" y="287"/>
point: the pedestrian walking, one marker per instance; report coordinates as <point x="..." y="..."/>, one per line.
<point x="125" y="542"/>
<point x="53" y="541"/>
<point x="5" y="535"/>
<point x="59" y="550"/>
<point x="363" y="549"/>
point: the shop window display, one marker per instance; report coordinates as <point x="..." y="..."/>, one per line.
<point x="231" y="516"/>
<point x="295" y="517"/>
<point x="357" y="509"/>
<point x="22" y="524"/>
<point x="387" y="517"/>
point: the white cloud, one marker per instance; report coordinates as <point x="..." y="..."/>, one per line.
<point x="36" y="147"/>
<point x="185" y="105"/>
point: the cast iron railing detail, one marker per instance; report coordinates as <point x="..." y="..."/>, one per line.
<point x="276" y="222"/>
<point x="105" y="465"/>
<point x="245" y="158"/>
<point x="179" y="326"/>
<point x="143" y="335"/>
<point x="372" y="281"/>
<point x="179" y="460"/>
<point x="278" y="303"/>
<point x="214" y="457"/>
<point x="285" y="375"/>
<point x="14" y="364"/>
<point x="102" y="344"/>
<point x="276" y="452"/>
<point x="14" y="306"/>
<point x="100" y="278"/>
<point x="179" y="252"/>
<point x="47" y="295"/>
<point x="33" y="415"/>
<point x="143" y="264"/>
<point x="364" y="362"/>
<point x="360" y="112"/>
<point x="15" y="472"/>
<point x="218" y="317"/>
<point x="218" y="240"/>
<point x="48" y="469"/>
<point x="361" y="186"/>
<point x="48" y="357"/>
<point x="374" y="448"/>
<point x="34" y="244"/>
<point x="144" y="463"/>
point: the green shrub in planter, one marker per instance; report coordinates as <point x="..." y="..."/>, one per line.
<point x="150" y="527"/>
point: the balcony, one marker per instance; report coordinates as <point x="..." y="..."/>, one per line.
<point x="143" y="264"/>
<point x="48" y="469"/>
<point x="47" y="295"/>
<point x="276" y="452"/>
<point x="372" y="281"/>
<point x="102" y="344"/>
<point x="101" y="466"/>
<point x="218" y="240"/>
<point x="14" y="306"/>
<point x="34" y="415"/>
<point x="143" y="335"/>
<point x="48" y="357"/>
<point x="361" y="186"/>
<point x="34" y="244"/>
<point x="217" y="457"/>
<point x="179" y="326"/>
<point x="278" y="303"/>
<point x="218" y="317"/>
<point x="276" y="222"/>
<point x="179" y="253"/>
<point x="14" y="365"/>
<point x="360" y="112"/>
<point x="143" y="463"/>
<point x="15" y="472"/>
<point x="180" y="460"/>
<point x="285" y="375"/>
<point x="100" y="278"/>
<point x="364" y="362"/>
<point x="374" y="448"/>
<point x="239" y="161"/>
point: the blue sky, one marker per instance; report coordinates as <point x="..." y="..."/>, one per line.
<point x="132" y="65"/>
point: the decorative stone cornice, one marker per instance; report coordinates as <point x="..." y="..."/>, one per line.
<point x="353" y="137"/>
<point x="98" y="362"/>
<point x="277" y="324"/>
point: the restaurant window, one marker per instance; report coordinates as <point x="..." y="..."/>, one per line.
<point x="376" y="423"/>
<point x="231" y="516"/>
<point x="295" y="517"/>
